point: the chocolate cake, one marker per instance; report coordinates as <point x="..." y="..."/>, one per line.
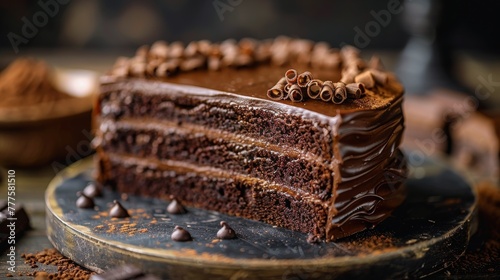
<point x="221" y="127"/>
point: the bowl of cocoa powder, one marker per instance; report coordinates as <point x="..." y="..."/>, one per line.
<point x="45" y="113"/>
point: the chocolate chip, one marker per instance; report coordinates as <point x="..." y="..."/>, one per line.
<point x="118" y="211"/>
<point x="181" y="235"/>
<point x="175" y="207"/>
<point x="93" y="190"/>
<point x="226" y="232"/>
<point x="84" y="201"/>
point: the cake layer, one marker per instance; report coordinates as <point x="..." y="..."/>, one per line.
<point x="197" y="145"/>
<point x="246" y="196"/>
<point x="216" y="190"/>
<point x="301" y="130"/>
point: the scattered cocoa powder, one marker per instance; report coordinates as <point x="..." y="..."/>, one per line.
<point x="66" y="268"/>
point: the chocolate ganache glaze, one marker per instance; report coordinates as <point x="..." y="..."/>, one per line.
<point x="214" y="140"/>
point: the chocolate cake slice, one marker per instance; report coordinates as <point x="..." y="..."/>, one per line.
<point x="233" y="133"/>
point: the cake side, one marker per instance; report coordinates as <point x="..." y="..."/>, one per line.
<point x="215" y="140"/>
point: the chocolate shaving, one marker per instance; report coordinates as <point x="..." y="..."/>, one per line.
<point x="191" y="49"/>
<point x="340" y="94"/>
<point x="314" y="88"/>
<point x="380" y="77"/>
<point x="375" y="63"/>
<point x="142" y="51"/>
<point x="304" y="78"/>
<point x="159" y="49"/>
<point x="365" y="78"/>
<point x="295" y="93"/>
<point x="348" y="74"/>
<point x="355" y="90"/>
<point x="291" y="76"/>
<point x="175" y="50"/>
<point x="327" y="91"/>
<point x="192" y="63"/>
<point x="214" y="63"/>
<point x="277" y="92"/>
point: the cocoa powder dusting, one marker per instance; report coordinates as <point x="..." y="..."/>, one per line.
<point x="26" y="82"/>
<point x="66" y="268"/>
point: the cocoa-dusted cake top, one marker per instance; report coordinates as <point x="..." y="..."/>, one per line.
<point x="252" y="68"/>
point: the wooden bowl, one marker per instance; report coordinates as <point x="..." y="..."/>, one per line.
<point x="55" y="133"/>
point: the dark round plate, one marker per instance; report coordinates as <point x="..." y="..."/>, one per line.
<point x="429" y="231"/>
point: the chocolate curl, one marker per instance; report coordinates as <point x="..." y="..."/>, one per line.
<point x="291" y="76"/>
<point x="263" y="51"/>
<point x="167" y="68"/>
<point x="359" y="63"/>
<point x="243" y="60"/>
<point x="176" y="50"/>
<point x="332" y="60"/>
<point x="327" y="91"/>
<point x="379" y="76"/>
<point x="280" y="50"/>
<point x="204" y="47"/>
<point x="320" y="50"/>
<point x="304" y="78"/>
<point x="340" y="94"/>
<point x="152" y="66"/>
<point x="191" y="49"/>
<point x="349" y="52"/>
<point x="314" y="88"/>
<point x="355" y="90"/>
<point x="247" y="46"/>
<point x="214" y="63"/>
<point x="277" y="92"/>
<point x="138" y="69"/>
<point x="348" y="77"/>
<point x="159" y="49"/>
<point x="142" y="51"/>
<point x="365" y="78"/>
<point x="229" y="51"/>
<point x="295" y="93"/>
<point x="375" y="63"/>
<point x="121" y="67"/>
<point x="192" y="63"/>
<point x="302" y="48"/>
<point x="287" y="90"/>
